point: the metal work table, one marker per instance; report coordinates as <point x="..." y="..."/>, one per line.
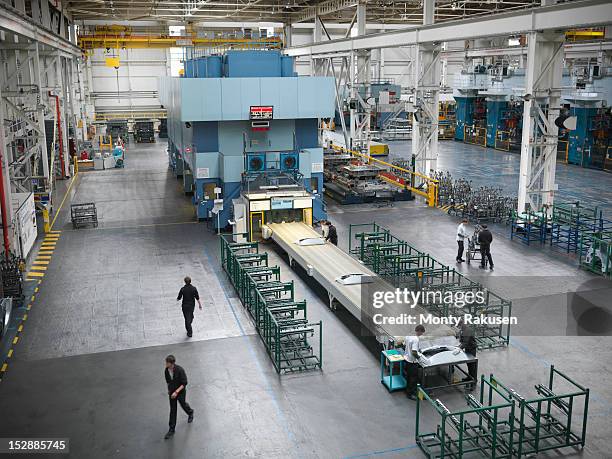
<point x="448" y="360"/>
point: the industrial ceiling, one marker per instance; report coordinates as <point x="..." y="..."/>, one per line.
<point x="286" y="11"/>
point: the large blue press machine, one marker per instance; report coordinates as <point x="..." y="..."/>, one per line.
<point x="243" y="135"/>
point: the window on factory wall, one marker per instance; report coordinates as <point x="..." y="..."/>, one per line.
<point x="176" y="54"/>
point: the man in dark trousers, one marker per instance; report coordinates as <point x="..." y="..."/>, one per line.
<point x="332" y="234"/>
<point x="467" y="342"/>
<point x="176" y="378"/>
<point x="484" y="239"/>
<point x="411" y="356"/>
<point x="189" y="294"/>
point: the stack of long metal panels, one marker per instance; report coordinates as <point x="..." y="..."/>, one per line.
<point x="279" y="318"/>
<point x="327" y="263"/>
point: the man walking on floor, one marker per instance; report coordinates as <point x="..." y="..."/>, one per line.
<point x="176" y="378"/>
<point x="461" y="235"/>
<point x="484" y="239"/>
<point x="188" y="293"/>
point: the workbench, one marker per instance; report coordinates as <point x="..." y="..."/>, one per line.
<point x="437" y="371"/>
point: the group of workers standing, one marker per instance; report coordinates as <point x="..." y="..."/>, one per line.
<point x="484" y="239"/>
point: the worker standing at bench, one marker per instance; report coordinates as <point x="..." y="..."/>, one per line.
<point x="467" y="342"/>
<point x="411" y="356"/>
<point x="188" y="293"/>
<point x="332" y="234"/>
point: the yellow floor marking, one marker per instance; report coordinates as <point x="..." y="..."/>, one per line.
<point x="35" y="274"/>
<point x="25" y="317"/>
<point x="38" y="268"/>
<point x="48" y="244"/>
<point x="3" y="369"/>
<point x="40" y="262"/>
<point x="46" y="252"/>
<point x="29" y="307"/>
<point x="15" y="339"/>
<point x="54" y="232"/>
<point x="10" y="353"/>
<point x="44" y="257"/>
<point x="20" y="329"/>
<point x="74" y="177"/>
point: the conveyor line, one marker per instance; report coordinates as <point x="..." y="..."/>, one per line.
<point x="327" y="262"/>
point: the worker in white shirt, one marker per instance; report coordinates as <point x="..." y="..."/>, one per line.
<point x="411" y="355"/>
<point x="324" y="228"/>
<point x="461" y="235"/>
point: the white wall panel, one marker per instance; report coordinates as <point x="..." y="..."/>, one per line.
<point x="134" y="85"/>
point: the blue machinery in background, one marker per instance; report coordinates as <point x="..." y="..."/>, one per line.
<point x="243" y="135"/>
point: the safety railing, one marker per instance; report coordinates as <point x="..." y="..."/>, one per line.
<point x="419" y="184"/>
<point x="475" y="135"/>
<point x="404" y="266"/>
<point x="280" y="320"/>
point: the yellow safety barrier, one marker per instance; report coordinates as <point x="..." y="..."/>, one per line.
<point x="430" y="193"/>
<point x="475" y="135"/>
<point x="46" y="219"/>
<point x="502" y="140"/>
<point x="563" y="151"/>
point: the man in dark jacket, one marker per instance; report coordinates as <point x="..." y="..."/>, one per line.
<point x="189" y="294"/>
<point x="467" y="342"/>
<point x="332" y="235"/>
<point x="484" y="239"/>
<point x="176" y="378"/>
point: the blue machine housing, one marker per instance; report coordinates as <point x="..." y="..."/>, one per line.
<point x="211" y="140"/>
<point x="465" y="114"/>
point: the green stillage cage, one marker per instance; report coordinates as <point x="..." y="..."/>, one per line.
<point x="501" y="423"/>
<point x="404" y="266"/>
<point x="280" y="320"/>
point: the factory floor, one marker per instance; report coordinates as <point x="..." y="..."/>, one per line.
<point x="89" y="363"/>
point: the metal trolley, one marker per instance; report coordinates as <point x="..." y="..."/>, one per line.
<point x="84" y="214"/>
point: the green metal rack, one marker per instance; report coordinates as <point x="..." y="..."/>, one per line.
<point x="556" y="418"/>
<point x="280" y="320"/>
<point x="404" y="266"/>
<point x="501" y="423"/>
<point x="484" y="428"/>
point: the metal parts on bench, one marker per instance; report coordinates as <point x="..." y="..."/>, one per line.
<point x="280" y="319"/>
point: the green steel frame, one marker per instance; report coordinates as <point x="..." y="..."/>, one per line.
<point x="596" y="253"/>
<point x="503" y="424"/>
<point x="404" y="266"/>
<point x="280" y="320"/>
<point x="485" y="428"/>
<point x="551" y="420"/>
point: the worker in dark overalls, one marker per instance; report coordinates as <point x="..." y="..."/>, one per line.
<point x="332" y="234"/>
<point x="484" y="239"/>
<point x="467" y="342"/>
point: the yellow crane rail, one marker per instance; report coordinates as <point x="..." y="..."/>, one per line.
<point x="118" y="41"/>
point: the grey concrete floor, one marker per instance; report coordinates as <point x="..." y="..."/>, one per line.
<point x="487" y="166"/>
<point x="90" y="361"/>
